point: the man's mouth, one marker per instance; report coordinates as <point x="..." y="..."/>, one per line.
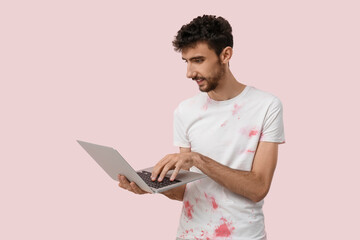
<point x="199" y="80"/>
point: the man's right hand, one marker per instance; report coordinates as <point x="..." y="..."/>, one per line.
<point x="132" y="187"/>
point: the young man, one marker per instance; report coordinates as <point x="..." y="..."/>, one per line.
<point x="229" y="131"/>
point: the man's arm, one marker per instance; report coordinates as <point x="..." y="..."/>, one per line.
<point x="253" y="185"/>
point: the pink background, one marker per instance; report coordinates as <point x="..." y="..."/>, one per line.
<point x="106" y="72"/>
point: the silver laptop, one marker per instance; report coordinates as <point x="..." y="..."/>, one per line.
<point x="114" y="164"/>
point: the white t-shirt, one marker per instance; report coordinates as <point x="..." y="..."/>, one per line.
<point x="228" y="132"/>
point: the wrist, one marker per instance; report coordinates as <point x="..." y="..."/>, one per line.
<point x="197" y="159"/>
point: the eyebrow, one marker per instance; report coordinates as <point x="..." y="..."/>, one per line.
<point x="193" y="58"/>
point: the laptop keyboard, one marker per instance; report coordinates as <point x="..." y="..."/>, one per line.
<point x="146" y="176"/>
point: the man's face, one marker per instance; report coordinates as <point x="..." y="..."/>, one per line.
<point x="203" y="66"/>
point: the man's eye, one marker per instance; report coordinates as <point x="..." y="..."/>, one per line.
<point x="198" y="60"/>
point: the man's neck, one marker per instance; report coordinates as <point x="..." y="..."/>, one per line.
<point x="228" y="88"/>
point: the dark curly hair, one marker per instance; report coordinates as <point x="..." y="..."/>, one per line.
<point x="215" y="31"/>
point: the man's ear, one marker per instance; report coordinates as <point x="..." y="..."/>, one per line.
<point x="226" y="55"/>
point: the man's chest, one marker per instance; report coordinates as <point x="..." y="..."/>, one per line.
<point x="216" y="131"/>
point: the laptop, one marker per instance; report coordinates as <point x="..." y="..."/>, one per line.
<point x="114" y="164"/>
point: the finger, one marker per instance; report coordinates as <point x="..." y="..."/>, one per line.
<point x="124" y="186"/>
<point x="175" y="173"/>
<point x="136" y="188"/>
<point x="124" y="183"/>
<point x="158" y="167"/>
<point x="166" y="168"/>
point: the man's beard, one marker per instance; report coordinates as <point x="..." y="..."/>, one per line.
<point x="213" y="82"/>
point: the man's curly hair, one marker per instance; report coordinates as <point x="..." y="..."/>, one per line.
<point x="215" y="31"/>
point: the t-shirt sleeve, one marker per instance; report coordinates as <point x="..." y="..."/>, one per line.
<point x="273" y="128"/>
<point x="180" y="134"/>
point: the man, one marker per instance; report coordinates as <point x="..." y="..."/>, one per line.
<point x="229" y="131"/>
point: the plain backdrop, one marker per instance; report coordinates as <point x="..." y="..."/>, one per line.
<point x="105" y="72"/>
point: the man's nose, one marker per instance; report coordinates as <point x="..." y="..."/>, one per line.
<point x="190" y="73"/>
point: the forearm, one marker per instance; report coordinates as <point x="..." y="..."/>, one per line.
<point x="175" y="193"/>
<point x="244" y="183"/>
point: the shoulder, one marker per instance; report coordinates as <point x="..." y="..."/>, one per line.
<point x="191" y="104"/>
<point x="261" y="97"/>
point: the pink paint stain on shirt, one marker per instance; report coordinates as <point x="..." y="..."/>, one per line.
<point x="236" y="109"/>
<point x="188" y="209"/>
<point x="225" y="229"/>
<point x="250" y="151"/>
<point x="224" y="124"/>
<point x="212" y="200"/>
<point x="244" y="131"/>
<point x="206" y="105"/>
<point x="214" y="204"/>
<point x="253" y="132"/>
<point x="204" y="235"/>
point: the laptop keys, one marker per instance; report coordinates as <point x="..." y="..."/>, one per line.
<point x="146" y="176"/>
